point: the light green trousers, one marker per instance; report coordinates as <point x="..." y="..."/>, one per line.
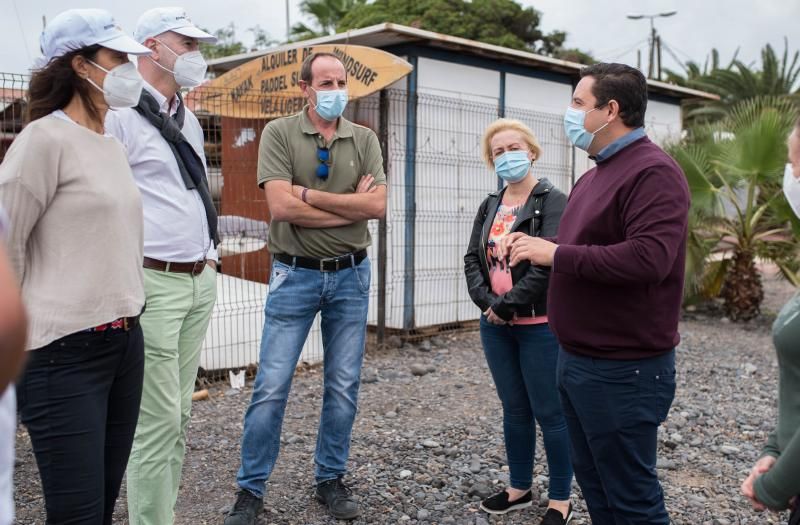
<point x="174" y="323"/>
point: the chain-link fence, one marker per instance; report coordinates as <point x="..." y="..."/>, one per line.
<point x="431" y="147"/>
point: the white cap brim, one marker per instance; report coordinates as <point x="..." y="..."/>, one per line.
<point x="195" y="32"/>
<point x="125" y="44"/>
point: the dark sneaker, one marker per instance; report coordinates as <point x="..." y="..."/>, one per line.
<point x="554" y="517"/>
<point x="499" y="504"/>
<point x="338" y="498"/>
<point x="245" y="510"/>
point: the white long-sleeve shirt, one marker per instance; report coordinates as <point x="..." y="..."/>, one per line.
<point x="175" y="223"/>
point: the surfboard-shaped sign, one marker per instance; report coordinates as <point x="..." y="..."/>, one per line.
<point x="268" y="86"/>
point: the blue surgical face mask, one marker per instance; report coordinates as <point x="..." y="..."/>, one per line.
<point x="574" y="120"/>
<point x="512" y="166"/>
<point x="330" y="104"/>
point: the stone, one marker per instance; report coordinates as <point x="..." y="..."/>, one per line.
<point x="429" y="443"/>
<point x="481" y="490"/>
<point x="404" y="474"/>
<point x="729" y="450"/>
<point x="394" y="341"/>
<point x="665" y="464"/>
<point x="419" y="370"/>
<point x="475" y="466"/>
<point x="369" y="375"/>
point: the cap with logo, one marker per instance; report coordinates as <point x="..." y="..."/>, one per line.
<point x="79" y="28"/>
<point x="162" y="19"/>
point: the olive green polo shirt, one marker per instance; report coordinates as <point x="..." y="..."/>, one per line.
<point x="288" y="151"/>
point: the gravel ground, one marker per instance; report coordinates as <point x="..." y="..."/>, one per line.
<point x="427" y="443"/>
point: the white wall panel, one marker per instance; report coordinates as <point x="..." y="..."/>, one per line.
<point x="663" y="122"/>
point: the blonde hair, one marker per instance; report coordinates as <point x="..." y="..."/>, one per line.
<point x="504" y="124"/>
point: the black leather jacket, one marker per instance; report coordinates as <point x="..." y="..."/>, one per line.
<point x="538" y="217"/>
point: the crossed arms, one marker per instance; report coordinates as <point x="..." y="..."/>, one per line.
<point x="322" y="209"/>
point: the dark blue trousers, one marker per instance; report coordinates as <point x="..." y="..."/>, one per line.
<point x="613" y="410"/>
<point x="79" y="398"/>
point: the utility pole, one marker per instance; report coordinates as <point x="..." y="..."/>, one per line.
<point x="658" y="57"/>
<point x="288" y="24"/>
<point x="654" y="66"/>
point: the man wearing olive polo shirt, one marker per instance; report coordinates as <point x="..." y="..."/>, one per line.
<point x="323" y="178"/>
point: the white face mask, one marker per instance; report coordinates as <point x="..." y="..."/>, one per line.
<point x="189" y="69"/>
<point x="122" y="86"/>
<point x="791" y="189"/>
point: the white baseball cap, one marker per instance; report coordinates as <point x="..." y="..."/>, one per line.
<point x="162" y="19"/>
<point x="78" y="28"/>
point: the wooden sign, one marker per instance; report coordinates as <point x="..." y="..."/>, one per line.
<point x="268" y="86"/>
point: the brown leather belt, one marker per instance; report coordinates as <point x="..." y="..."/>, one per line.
<point x="194" y="268"/>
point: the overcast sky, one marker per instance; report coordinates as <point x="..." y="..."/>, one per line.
<point x="600" y="27"/>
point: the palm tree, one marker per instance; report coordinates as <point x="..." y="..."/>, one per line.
<point x="692" y="71"/>
<point x="739" y="215"/>
<point x="326" y="13"/>
<point x="738" y="82"/>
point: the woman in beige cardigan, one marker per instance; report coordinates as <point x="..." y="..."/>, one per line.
<point x="75" y="242"/>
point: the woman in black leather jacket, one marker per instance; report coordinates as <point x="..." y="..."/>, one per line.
<point x="520" y="348"/>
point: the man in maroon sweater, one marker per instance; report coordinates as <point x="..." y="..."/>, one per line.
<point x="615" y="293"/>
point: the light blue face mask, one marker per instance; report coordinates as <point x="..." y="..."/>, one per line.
<point x="331" y="104"/>
<point x="574" y="120"/>
<point x="512" y="166"/>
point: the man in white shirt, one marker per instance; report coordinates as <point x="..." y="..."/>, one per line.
<point x="164" y="142"/>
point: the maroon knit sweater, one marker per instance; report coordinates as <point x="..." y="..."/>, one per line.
<point x="617" y="279"/>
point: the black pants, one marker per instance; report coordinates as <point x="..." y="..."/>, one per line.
<point x="79" y="398"/>
<point x="613" y="410"/>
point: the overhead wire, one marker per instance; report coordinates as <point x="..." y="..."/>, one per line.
<point x="673" y="55"/>
<point x="634" y="47"/>
<point x="22" y="30"/>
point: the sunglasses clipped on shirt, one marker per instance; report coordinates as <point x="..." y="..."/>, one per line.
<point x="324" y="157"/>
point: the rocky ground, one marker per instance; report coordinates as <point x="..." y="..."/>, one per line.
<point x="427" y="444"/>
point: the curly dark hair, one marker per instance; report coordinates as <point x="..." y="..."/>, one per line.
<point x="53" y="86"/>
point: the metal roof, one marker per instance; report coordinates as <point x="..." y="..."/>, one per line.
<point x="389" y="34"/>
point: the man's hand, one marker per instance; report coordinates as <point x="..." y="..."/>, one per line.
<point x="504" y="248"/>
<point x="749" y="492"/>
<point x="762" y="465"/>
<point x="366" y="184"/>
<point x="492" y="317"/>
<point x="533" y="249"/>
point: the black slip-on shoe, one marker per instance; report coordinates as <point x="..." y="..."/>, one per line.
<point x="499" y="504"/>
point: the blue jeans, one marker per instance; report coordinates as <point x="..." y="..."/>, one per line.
<point x="295" y="296"/>
<point x="613" y="410"/>
<point x="522" y="359"/>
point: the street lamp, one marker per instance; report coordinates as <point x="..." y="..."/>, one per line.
<point x="655" y="40"/>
